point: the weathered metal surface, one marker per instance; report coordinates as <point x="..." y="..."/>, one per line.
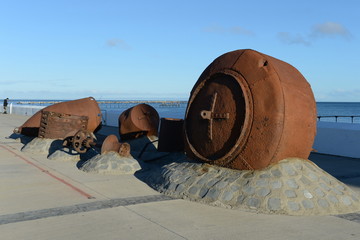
<point x="83" y="140"/>
<point x="137" y="121"/>
<point x="60" y="125"/>
<point x="110" y="144"/>
<point x="171" y="137"/>
<point x="249" y="110"/>
<point x="124" y="150"/>
<point x="82" y="107"/>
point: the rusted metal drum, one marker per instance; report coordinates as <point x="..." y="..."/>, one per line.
<point x="137" y="121"/>
<point x="82" y="107"/>
<point x="249" y="110"/>
<point x="171" y="137"/>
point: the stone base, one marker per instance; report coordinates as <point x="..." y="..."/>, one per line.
<point x="292" y="187"/>
<point x="111" y="163"/>
<point x="42" y="146"/>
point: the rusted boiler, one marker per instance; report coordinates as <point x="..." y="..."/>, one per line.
<point x="85" y="110"/>
<point x="249" y="110"/>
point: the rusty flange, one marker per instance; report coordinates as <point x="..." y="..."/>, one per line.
<point x="137" y="121"/>
<point x="171" y="138"/>
<point x="249" y="110"/>
<point x="82" y="107"/>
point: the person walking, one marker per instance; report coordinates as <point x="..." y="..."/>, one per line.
<point x="5" y="105"/>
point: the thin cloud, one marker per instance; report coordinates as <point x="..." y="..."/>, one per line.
<point x="287" y="38"/>
<point x="330" y="29"/>
<point x="115" y="42"/>
<point x="232" y="30"/>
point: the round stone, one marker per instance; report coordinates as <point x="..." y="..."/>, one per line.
<point x="307" y="194"/>
<point x="276" y="184"/>
<point x="227" y="196"/>
<point x="333" y="199"/>
<point x="265" y="175"/>
<point x="193" y="190"/>
<point x="323" y="203"/>
<point x="221" y="184"/>
<point x="337" y="191"/>
<point x="127" y="168"/>
<point x="305" y="180"/>
<point x="202" y="181"/>
<point x="261" y="182"/>
<point x="325" y="187"/>
<point x="312" y="176"/>
<point x="340" y="187"/>
<point x="298" y="166"/>
<point x="240" y="199"/>
<point x="203" y="192"/>
<point x="346" y="200"/>
<point x="276" y="173"/>
<point x="172" y="186"/>
<point x="180" y="188"/>
<point x="235" y="188"/>
<point x="212" y="182"/>
<point x="353" y="196"/>
<point x="290" y="193"/>
<point x="326" y="179"/>
<point x="248" y="190"/>
<point x="319" y="192"/>
<point x="248" y="175"/>
<point x="274" y="204"/>
<point x="213" y="194"/>
<point x="253" y="202"/>
<point x="289" y="170"/>
<point x="291" y="183"/>
<point x="308" y="204"/>
<point x="262" y="192"/>
<point x="293" y="206"/>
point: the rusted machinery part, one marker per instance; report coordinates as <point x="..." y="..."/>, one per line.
<point x="110" y="144"/>
<point x="80" y="107"/>
<point x="60" y="125"/>
<point x="136" y="121"/>
<point x="171" y="137"/>
<point x="83" y="140"/>
<point x="124" y="149"/>
<point x="249" y="110"/>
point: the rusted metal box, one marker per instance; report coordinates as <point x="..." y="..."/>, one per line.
<point x="60" y="125"/>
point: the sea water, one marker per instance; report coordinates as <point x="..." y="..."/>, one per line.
<point x="326" y="111"/>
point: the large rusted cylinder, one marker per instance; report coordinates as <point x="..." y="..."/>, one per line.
<point x="171" y="138"/>
<point x="82" y="107"/>
<point x="249" y="110"/>
<point x="137" y="121"/>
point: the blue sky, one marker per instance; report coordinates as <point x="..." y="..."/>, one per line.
<point x="157" y="49"/>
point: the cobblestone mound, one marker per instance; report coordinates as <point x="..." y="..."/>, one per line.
<point x="42" y="146"/>
<point x="293" y="187"/>
<point x="111" y="163"/>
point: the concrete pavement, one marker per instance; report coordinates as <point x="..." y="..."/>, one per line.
<point x="44" y="199"/>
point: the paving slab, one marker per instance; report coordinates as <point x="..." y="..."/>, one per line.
<point x="47" y="199"/>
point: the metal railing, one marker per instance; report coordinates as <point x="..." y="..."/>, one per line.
<point x="337" y="117"/>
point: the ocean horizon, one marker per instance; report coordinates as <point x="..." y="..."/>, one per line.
<point x="175" y="108"/>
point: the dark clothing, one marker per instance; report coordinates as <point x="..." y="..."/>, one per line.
<point x="5" y="104"/>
